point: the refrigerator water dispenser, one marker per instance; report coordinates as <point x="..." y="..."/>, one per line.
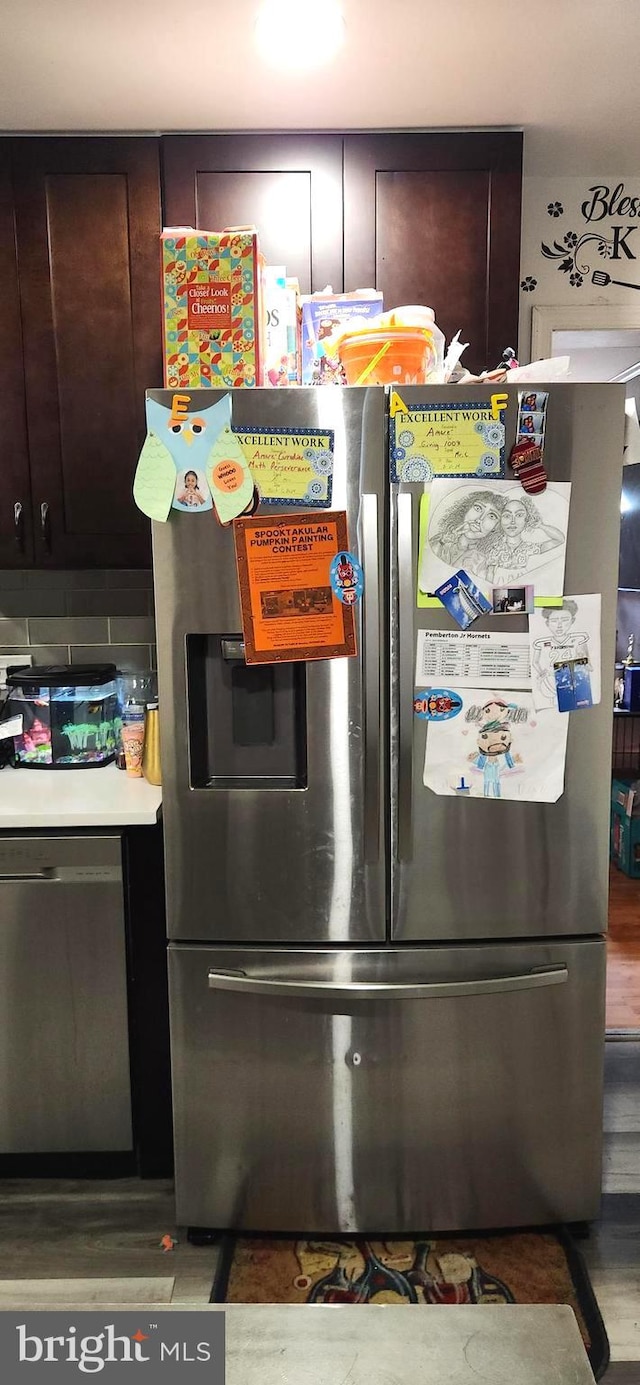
<point x="247" y="722"/>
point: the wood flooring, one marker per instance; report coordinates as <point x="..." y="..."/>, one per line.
<point x="623" y="953"/>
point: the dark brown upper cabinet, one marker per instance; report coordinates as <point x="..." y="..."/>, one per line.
<point x="87" y="225"/>
<point x="426" y="218"/>
<point x="16" y="535"/>
<point x="289" y="186"/>
<point x="435" y="219"/>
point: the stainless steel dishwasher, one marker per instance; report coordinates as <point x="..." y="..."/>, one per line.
<point x="64" y="1050"/>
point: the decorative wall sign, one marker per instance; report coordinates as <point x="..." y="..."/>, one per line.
<point x="290" y="466"/>
<point x="447" y="439"/>
<point x="594" y="241"/>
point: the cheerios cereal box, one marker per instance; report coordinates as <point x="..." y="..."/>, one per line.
<point x="213" y="308"/>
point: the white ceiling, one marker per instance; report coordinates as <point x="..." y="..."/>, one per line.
<point x="564" y="70"/>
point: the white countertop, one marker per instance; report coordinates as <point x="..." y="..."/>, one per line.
<point x="97" y="797"/>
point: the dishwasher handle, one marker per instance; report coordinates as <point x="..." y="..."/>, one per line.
<point x="64" y="875"/>
<point x="40" y="876"/>
<point x="387" y="990"/>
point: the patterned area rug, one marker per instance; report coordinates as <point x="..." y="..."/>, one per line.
<point x="520" y="1267"/>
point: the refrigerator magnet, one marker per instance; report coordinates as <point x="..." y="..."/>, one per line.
<point x="436" y="704"/>
<point x="525" y="461"/>
<point x="573" y="685"/>
<point x="463" y="600"/>
<point x="346" y="578"/>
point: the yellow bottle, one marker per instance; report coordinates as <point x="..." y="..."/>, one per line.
<point x="151" y="758"/>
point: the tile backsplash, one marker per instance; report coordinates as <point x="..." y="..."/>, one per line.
<point x="101" y="616"/>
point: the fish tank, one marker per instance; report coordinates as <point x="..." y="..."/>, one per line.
<point x="69" y="714"/>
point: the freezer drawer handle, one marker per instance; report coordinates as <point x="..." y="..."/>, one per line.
<point x="387" y="990"/>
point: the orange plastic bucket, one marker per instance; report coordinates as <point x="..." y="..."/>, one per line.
<point x="393" y="357"/>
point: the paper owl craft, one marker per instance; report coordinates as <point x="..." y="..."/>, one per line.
<point x="191" y="459"/>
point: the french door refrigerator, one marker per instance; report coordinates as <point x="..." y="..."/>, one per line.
<point x="387" y="1007"/>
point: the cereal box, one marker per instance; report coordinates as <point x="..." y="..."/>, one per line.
<point x="213" y="308"/>
<point x="281" y="355"/>
<point x="322" y="314"/>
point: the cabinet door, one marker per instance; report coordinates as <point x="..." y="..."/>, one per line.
<point x="436" y="219"/>
<point x="88" y="221"/>
<point x="289" y="186"/>
<point x="16" y="541"/>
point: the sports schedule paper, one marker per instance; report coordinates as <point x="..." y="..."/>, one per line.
<point x="470" y="659"/>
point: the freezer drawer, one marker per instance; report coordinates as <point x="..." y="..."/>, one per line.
<point x="388" y="1090"/>
<point x="64" y="1050"/>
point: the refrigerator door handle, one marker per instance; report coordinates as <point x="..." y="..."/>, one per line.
<point x="387" y="990"/>
<point x="371" y="641"/>
<point x="406" y="655"/>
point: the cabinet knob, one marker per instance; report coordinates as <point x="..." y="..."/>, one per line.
<point x="45" y="525"/>
<point x="18" y="521"/>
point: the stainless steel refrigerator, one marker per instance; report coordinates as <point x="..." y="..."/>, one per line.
<point x="387" y="1007"/>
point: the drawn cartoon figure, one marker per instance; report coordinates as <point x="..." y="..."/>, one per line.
<point x="440" y="705"/>
<point x="493" y="755"/>
<point x="190" y="493"/>
<point x="330" y="370"/>
<point x="345" y="575"/>
<point x="520" y="536"/>
<point x="561" y="645"/>
<point x="466" y="528"/>
<point x="495" y="710"/>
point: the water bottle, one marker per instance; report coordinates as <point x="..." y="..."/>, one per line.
<point x="151" y="758"/>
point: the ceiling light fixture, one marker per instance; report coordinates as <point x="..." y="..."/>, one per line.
<point x="299" y="33"/>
